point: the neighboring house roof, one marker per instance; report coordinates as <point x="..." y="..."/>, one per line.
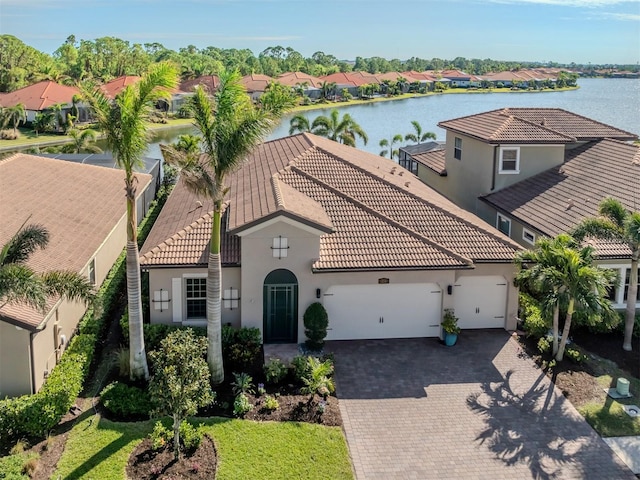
<point x="78" y="204"/>
<point x="374" y="214"/>
<point x="149" y="165"/>
<point x="393" y="76"/>
<point x="292" y="79"/>
<point x="256" y="82"/>
<point x="115" y="86"/>
<point x="40" y="96"/>
<point x="433" y="159"/>
<point x="209" y="82"/>
<point x="419" y="76"/>
<point x="557" y="199"/>
<point x="534" y="126"/>
<point x="352" y="79"/>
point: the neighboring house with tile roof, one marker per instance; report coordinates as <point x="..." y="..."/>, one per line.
<point x="83" y="208"/>
<point x="256" y="84"/>
<point x="536" y="171"/>
<point x="117" y="85"/>
<point x="307" y="220"/>
<point x="41" y="96"/>
<point x="209" y="82"/>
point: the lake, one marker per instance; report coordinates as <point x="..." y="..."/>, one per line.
<point x="615" y="102"/>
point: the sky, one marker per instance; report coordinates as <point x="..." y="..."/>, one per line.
<point x="563" y="31"/>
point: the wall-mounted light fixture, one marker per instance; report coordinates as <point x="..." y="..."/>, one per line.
<point x="449" y="289"/>
<point x="318" y="293"/>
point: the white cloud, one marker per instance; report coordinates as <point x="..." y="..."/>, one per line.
<point x="631" y="17"/>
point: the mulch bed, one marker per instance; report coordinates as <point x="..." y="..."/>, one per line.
<point x="609" y="346"/>
<point x="297" y="408"/>
<point x="147" y="464"/>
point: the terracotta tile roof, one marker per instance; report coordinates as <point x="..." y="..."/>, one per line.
<point x="340" y="78"/>
<point x="556" y="200"/>
<point x="209" y="82"/>
<point x="393" y="76"/>
<point x="291" y="79"/>
<point x="419" y="76"/>
<point x="434" y="160"/>
<point x="115" y="86"/>
<point x="376" y="215"/>
<point x="78" y="204"/>
<point x="39" y="96"/>
<point x="256" y="82"/>
<point x="533" y="125"/>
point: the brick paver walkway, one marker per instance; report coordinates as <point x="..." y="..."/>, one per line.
<point x="415" y="409"/>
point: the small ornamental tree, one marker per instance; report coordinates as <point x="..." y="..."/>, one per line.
<point x="316" y="322"/>
<point x="181" y="382"/>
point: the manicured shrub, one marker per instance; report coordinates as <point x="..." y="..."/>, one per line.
<point x="271" y="403"/>
<point x="275" y="371"/>
<point x="299" y="367"/>
<point x="160" y="436"/>
<point x="544" y="345"/>
<point x="241" y="405"/>
<point x="190" y="436"/>
<point x="126" y="402"/>
<point x="241" y="348"/>
<point x="9" y="134"/>
<point x="316" y="322"/>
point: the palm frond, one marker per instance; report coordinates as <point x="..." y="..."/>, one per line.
<point x="20" y="284"/>
<point x="613" y="210"/>
<point x="69" y="285"/>
<point x="22" y="245"/>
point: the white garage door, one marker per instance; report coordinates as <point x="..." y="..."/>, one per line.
<point x="383" y="311"/>
<point x="480" y="302"/>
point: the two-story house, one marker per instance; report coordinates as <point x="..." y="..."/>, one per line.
<point x="536" y="171"/>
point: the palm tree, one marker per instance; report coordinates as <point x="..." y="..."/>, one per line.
<point x="82" y="142"/>
<point x="188" y="143"/>
<point x="124" y="124"/>
<point x="299" y="123"/>
<point x="343" y="130"/>
<point x="567" y="279"/>
<point x="21" y="284"/>
<point x="618" y="223"/>
<point x="417" y="135"/>
<point x="387" y="145"/>
<point x="326" y="88"/>
<point x="230" y="127"/>
<point x="15" y="116"/>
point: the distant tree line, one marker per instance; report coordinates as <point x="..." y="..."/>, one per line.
<point x="106" y="58"/>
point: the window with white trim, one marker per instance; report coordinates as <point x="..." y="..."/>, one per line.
<point x="196" y="297"/>
<point x="230" y="298"/>
<point x="503" y="224"/>
<point x="626" y="286"/>
<point x="280" y="246"/>
<point x="528" y="236"/>
<point x="457" y="148"/>
<point x="619" y="293"/>
<point x="509" y="160"/>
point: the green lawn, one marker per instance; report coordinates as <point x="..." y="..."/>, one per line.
<point x="98" y="448"/>
<point x="607" y="416"/>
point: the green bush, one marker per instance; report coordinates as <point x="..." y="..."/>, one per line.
<point x="241" y="348"/>
<point x="300" y="367"/>
<point x="316" y="322"/>
<point x="544" y="345"/>
<point x="271" y="403"/>
<point x="160" y="436"/>
<point x="17" y="466"/>
<point x="575" y="355"/>
<point x="534" y="323"/>
<point x="241" y="405"/>
<point x="126" y="402"/>
<point x="190" y="436"/>
<point x="275" y="371"/>
<point x="242" y="384"/>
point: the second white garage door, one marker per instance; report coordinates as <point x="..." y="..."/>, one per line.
<point x="480" y="302"/>
<point x="383" y="311"/>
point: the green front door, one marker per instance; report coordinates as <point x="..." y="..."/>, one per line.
<point x="280" y="307"/>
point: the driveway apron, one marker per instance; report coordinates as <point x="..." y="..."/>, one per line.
<point x="415" y="409"/>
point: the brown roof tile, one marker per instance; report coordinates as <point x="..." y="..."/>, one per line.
<point x="209" y="82"/>
<point x="39" y="96"/>
<point x="533" y="125"/>
<point x="376" y="214"/>
<point x="556" y="200"/>
<point x="292" y="79"/>
<point x="78" y="204"/>
<point x="256" y="82"/>
<point x="433" y="159"/>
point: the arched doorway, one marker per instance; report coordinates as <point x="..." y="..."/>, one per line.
<point x="280" y="296"/>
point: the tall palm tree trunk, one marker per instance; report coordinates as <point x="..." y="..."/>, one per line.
<point x="137" y="355"/>
<point x="565" y="330"/>
<point x="214" y="300"/>
<point x="556" y="317"/>
<point x="632" y="294"/>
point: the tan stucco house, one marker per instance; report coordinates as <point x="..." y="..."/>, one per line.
<point x="307" y="220"/>
<point x="83" y="208"/>
<point x="535" y="171"/>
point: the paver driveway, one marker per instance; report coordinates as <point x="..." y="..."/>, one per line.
<point x="481" y="409"/>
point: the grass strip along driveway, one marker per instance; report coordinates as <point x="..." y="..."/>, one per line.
<point x="99" y="448"/>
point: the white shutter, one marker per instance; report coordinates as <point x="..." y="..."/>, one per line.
<point x="176" y="288"/>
